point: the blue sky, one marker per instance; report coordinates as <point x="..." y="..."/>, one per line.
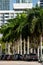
<point x="34" y="2"/>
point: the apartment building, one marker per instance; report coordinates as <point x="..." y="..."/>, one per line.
<point x="4" y="4"/>
<point x="40" y="3"/>
<point x="21" y="5"/>
<point x="18" y="7"/>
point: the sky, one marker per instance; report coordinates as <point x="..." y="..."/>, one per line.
<point x="34" y="2"/>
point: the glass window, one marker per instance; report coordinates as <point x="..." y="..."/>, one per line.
<point x="4" y="4"/>
<point x="23" y="1"/>
<point x="41" y="0"/>
<point x="17" y="1"/>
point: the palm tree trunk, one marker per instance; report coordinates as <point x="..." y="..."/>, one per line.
<point x="9" y="49"/>
<point x="41" y="44"/>
<point x="0" y="49"/>
<point x="24" y="47"/>
<point x="6" y="48"/>
<point x="20" y="44"/>
<point x="28" y="45"/>
<point x="13" y="50"/>
<point x="38" y="52"/>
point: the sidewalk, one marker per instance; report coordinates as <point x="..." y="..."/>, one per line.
<point x="19" y="63"/>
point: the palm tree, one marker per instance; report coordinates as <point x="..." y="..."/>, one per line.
<point x="24" y="26"/>
<point x="35" y="26"/>
<point x="39" y="27"/>
<point x="13" y="29"/>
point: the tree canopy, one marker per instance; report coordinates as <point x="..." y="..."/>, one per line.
<point x="26" y="24"/>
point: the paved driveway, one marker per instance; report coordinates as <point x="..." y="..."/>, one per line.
<point x="19" y="63"/>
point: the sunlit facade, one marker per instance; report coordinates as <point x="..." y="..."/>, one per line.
<point x="5" y="11"/>
<point x="22" y="5"/>
<point x="19" y="6"/>
<point x="5" y="15"/>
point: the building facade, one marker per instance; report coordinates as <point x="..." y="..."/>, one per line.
<point x="40" y="3"/>
<point x="5" y="11"/>
<point x="4" y="4"/>
<point x="23" y="1"/>
<point x="7" y="14"/>
<point x="21" y="5"/>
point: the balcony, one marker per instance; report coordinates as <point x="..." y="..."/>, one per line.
<point x="19" y="6"/>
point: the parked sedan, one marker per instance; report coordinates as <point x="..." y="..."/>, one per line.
<point x="20" y="57"/>
<point x="2" y="56"/>
<point x="30" y="57"/>
<point x="5" y="57"/>
<point x="8" y="57"/>
<point x="17" y="57"/>
<point x="26" y="57"/>
<point x="33" y="57"/>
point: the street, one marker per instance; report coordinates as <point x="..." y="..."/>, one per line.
<point x="19" y="63"/>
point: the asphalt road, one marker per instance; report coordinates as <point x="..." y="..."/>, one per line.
<point x="19" y="63"/>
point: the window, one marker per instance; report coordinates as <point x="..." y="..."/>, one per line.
<point x="17" y="1"/>
<point x="23" y="1"/>
<point x="41" y="0"/>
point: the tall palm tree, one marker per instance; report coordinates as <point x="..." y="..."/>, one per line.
<point x="24" y="25"/>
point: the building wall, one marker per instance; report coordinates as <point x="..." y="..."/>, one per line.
<point x="23" y="1"/>
<point x="41" y="3"/>
<point x="4" y="4"/>
<point x="22" y="4"/>
<point x="41" y="0"/>
<point x="19" y="7"/>
<point x="5" y="15"/>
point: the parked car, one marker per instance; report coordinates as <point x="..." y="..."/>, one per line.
<point x="31" y="56"/>
<point x="2" y="56"/>
<point x="17" y="57"/>
<point x="20" y="57"/>
<point x="26" y="57"/>
<point x="8" y="57"/>
<point x="5" y="57"/>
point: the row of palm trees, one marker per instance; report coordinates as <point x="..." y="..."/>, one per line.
<point x="28" y="26"/>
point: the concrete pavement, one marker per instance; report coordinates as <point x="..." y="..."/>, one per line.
<point x="19" y="63"/>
